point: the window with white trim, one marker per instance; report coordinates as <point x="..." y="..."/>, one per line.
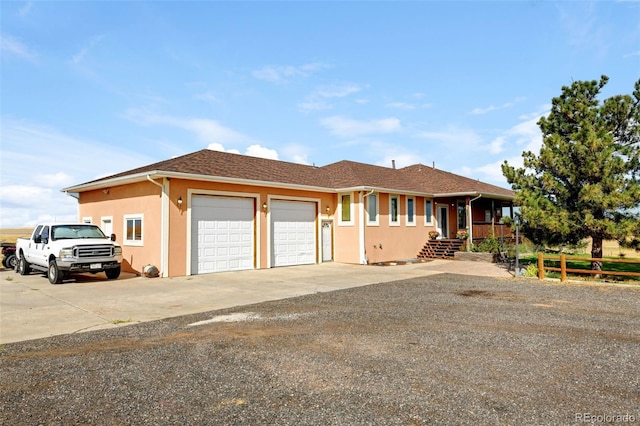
<point x="345" y="208"/>
<point x="394" y="210"/>
<point x="372" y="209"/>
<point x="411" y="211"/>
<point x="428" y="212"/>
<point x="134" y="229"/>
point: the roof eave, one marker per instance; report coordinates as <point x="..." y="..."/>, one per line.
<point x="140" y="177"/>
<point x="475" y="194"/>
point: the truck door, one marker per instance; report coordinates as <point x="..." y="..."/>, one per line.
<point x="40" y="249"/>
<point x="30" y="249"/>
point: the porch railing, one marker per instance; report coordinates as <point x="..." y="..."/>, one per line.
<point x="482" y="230"/>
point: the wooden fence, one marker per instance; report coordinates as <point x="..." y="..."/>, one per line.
<point x="563" y="266"/>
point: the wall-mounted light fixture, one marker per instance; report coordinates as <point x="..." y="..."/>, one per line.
<point x="105" y="191"/>
<point x="179" y="201"/>
<point x="328" y="209"/>
<point x="264" y="206"/>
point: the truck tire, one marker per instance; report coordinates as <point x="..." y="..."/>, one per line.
<point x="54" y="273"/>
<point x="113" y="273"/>
<point x="23" y="266"/>
<point x="11" y="261"/>
<point x="4" y="262"/>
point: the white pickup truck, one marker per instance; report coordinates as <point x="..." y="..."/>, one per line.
<point x="62" y="248"/>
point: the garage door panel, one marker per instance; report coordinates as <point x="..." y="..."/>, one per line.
<point x="223" y="229"/>
<point x="293" y="233"/>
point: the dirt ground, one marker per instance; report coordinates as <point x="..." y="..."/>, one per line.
<point x="444" y="349"/>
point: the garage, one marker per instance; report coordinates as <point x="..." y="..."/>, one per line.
<point x="222" y="234"/>
<point x="293" y="233"/>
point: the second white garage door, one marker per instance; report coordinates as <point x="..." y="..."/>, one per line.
<point x="293" y="233"/>
<point x="221" y="234"/>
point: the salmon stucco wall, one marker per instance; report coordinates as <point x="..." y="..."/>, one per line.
<point x="385" y="242"/>
<point x="142" y="198"/>
<point x="179" y="248"/>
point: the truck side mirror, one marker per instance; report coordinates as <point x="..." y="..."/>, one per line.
<point x="37" y="239"/>
<point x="113" y="237"/>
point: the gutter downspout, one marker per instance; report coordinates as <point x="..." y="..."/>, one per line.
<point x="164" y="225"/>
<point x="363" y="251"/>
<point x="471" y="218"/>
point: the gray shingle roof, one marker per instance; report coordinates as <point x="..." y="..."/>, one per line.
<point x="343" y="174"/>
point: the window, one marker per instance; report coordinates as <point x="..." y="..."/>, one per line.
<point x="372" y="209"/>
<point x="133" y="230"/>
<point x="428" y="212"/>
<point x="462" y="215"/>
<point x="411" y="211"/>
<point x="345" y="209"/>
<point x="394" y="203"/>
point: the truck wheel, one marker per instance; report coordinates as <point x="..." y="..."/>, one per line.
<point x="112" y="273"/>
<point x="4" y="262"/>
<point x="54" y="274"/>
<point x="23" y="266"/>
<point x="11" y="261"/>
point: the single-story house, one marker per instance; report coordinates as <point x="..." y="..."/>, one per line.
<point x="212" y="211"/>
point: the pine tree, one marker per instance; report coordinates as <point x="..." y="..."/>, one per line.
<point x="585" y="182"/>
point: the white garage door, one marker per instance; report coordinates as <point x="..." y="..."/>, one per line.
<point x="221" y="234"/>
<point x="293" y="232"/>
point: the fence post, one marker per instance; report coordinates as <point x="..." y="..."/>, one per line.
<point x="563" y="267"/>
<point x="540" y="266"/>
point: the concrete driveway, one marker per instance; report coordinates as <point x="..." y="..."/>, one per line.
<point x="31" y="308"/>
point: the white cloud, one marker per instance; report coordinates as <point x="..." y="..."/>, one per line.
<point x="318" y="100"/>
<point x="583" y="29"/>
<point x="314" y="105"/>
<point x="262" y="152"/>
<point x="477" y="111"/>
<point x="297" y="153"/>
<point x="54" y="180"/>
<point x="401" y="159"/>
<point x="632" y="54"/>
<point x="252" y="151"/>
<point x="495" y="147"/>
<point x="284" y="73"/>
<point x="14" y="47"/>
<point x="218" y="147"/>
<point x="337" y="90"/>
<point x="453" y="136"/>
<point x="207" y="96"/>
<point x="205" y="130"/>
<point x="27" y="196"/>
<point x="401" y="105"/>
<point x="79" y="57"/>
<point x="24" y="10"/>
<point x="347" y="127"/>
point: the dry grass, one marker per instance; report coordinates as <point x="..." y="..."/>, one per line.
<point x="10" y="235"/>
<point x="611" y="248"/>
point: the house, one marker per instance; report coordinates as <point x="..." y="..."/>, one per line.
<point x="212" y="211"/>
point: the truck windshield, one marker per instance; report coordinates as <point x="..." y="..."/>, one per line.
<point x="66" y="232"/>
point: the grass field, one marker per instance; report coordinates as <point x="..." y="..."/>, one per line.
<point x="611" y="248"/>
<point x="10" y="235"/>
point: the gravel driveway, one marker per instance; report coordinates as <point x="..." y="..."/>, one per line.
<point x="443" y="349"/>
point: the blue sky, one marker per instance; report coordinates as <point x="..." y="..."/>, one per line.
<point x="90" y="89"/>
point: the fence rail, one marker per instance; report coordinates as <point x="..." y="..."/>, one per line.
<point x="563" y="266"/>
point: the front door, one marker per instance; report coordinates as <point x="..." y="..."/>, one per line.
<point x="327" y="241"/>
<point x="442" y="224"/>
